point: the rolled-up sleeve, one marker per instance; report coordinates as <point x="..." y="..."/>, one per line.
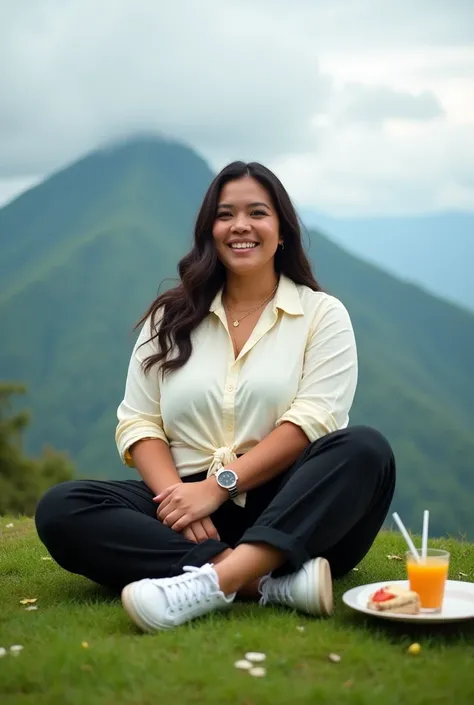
<point x="329" y="378"/>
<point x="139" y="414"/>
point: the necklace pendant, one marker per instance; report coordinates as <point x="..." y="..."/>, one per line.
<point x="235" y="324"/>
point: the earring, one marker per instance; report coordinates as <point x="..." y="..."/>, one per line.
<point x="282" y="245"/>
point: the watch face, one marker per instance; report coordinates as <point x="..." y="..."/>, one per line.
<point x="226" y="478"/>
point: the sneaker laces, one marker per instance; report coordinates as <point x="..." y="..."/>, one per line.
<point x="276" y="589"/>
<point x="188" y="589"/>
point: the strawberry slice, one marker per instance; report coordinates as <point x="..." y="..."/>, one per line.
<point x="382" y="595"/>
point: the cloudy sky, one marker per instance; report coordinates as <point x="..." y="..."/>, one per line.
<point x="360" y="106"/>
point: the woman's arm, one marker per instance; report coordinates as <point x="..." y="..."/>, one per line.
<point x="152" y="459"/>
<point x="322" y="403"/>
<point x="141" y="439"/>
<point x="277" y="452"/>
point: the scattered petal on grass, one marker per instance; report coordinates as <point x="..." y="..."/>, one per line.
<point x="46" y="558"/>
<point x="462" y="575"/>
<point x="85" y="644"/>
<point x="394" y="557"/>
<point x="255" y="656"/>
<point x="3" y="651"/>
<point x="335" y="658"/>
<point x="300" y="629"/>
<point x="9" y="526"/>
<point x="258" y="672"/>
<point x="355" y="570"/>
<point x="29" y="601"/>
<point x="414" y="649"/>
<point x="31" y="608"/>
<point x="243" y="665"/>
<point x="16" y="649"/>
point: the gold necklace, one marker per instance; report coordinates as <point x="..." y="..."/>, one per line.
<point x="236" y="321"/>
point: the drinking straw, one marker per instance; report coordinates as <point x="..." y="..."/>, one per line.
<point x="424" y="541"/>
<point x="407" y="538"/>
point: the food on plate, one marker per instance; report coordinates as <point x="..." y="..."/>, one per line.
<point x="394" y="599"/>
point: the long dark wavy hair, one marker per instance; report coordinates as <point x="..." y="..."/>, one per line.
<point x="202" y="274"/>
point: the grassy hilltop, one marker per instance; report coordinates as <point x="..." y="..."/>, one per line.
<point x="80" y="647"/>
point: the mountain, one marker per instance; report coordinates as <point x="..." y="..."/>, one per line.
<point x="435" y="251"/>
<point x="82" y="256"/>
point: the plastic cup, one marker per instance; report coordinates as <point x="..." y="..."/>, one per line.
<point x="428" y="577"/>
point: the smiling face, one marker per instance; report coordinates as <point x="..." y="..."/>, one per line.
<point x="246" y="227"/>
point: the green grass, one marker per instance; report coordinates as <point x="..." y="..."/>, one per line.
<point x="194" y="664"/>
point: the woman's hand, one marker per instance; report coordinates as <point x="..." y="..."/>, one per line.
<point x="201" y="530"/>
<point x="187" y="502"/>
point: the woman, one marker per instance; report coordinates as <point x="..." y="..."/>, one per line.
<point x="235" y="415"/>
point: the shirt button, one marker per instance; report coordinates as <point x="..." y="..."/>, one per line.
<point x="230" y="388"/>
<point x="229" y="428"/>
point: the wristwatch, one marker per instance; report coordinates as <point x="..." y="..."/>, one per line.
<point x="227" y="479"/>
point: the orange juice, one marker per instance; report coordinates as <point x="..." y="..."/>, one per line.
<point x="428" y="577"/>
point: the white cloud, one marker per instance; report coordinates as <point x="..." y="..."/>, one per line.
<point x="197" y="71"/>
<point x="360" y="106"/>
<point x="378" y="104"/>
<point x="394" y="170"/>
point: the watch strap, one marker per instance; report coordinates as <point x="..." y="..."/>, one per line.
<point x="233" y="492"/>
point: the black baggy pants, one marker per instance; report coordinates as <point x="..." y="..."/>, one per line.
<point x="331" y="502"/>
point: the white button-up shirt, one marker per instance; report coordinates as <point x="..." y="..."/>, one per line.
<point x="299" y="365"/>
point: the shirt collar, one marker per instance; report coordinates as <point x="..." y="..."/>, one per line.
<point x="287" y="298"/>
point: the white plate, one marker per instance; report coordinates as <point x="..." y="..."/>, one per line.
<point x="458" y="603"/>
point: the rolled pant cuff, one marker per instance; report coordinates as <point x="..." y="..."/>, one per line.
<point x="294" y="550"/>
<point x="200" y="554"/>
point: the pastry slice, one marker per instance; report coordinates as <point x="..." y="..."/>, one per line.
<point x="394" y="599"/>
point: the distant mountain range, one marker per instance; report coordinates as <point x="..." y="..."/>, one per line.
<point x="83" y="254"/>
<point x="435" y="251"/>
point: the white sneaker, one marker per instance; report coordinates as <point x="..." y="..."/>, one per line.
<point x="164" y="603"/>
<point x="308" y="590"/>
